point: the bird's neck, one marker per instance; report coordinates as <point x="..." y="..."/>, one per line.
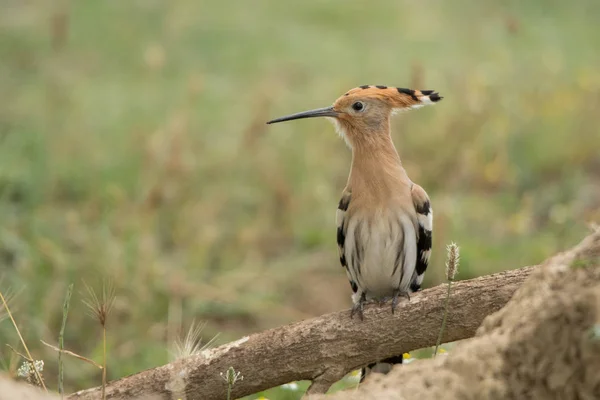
<point x="376" y="166"/>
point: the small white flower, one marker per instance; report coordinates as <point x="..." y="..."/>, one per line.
<point x="24" y="370"/>
<point x="39" y="365"/>
<point x="27" y="371"/>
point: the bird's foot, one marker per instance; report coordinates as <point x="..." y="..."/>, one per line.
<point x="382" y="301"/>
<point x="358" y="307"/>
<point x="396" y="298"/>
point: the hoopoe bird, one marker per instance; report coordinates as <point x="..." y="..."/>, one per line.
<point x="384" y="220"/>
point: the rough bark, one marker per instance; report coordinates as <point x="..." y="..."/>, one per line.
<point x="325" y="348"/>
<point x="545" y="344"/>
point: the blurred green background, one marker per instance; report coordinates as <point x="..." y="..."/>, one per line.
<point x="133" y="148"/>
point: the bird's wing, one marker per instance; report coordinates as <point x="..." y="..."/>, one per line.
<point x="424" y="233"/>
<point x="342" y="228"/>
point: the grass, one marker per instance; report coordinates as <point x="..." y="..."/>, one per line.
<point x="61" y="340"/>
<point x="100" y="308"/>
<point x="133" y="148"/>
<point x="191" y="344"/>
<point x="33" y="370"/>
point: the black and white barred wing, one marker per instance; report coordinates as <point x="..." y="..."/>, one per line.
<point x="424" y="233"/>
<point x="342" y="228"/>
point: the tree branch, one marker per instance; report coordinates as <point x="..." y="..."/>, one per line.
<point x="322" y="349"/>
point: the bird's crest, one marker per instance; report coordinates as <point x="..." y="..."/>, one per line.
<point x="398" y="98"/>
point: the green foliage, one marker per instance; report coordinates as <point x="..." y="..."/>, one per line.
<point x="133" y="148"/>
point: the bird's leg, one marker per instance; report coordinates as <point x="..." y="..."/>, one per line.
<point x="396" y="298"/>
<point x="359" y="306"/>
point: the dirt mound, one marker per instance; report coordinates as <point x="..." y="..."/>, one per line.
<point x="544" y="344"/>
<point x="12" y="390"/>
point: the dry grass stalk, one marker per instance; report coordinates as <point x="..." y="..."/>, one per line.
<point x="29" y="357"/>
<point x="70" y="353"/>
<point x="100" y="308"/>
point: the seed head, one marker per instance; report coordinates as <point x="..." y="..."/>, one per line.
<point x="453" y="260"/>
<point x="100" y="308"/>
<point x="231" y="376"/>
<point x="192" y="344"/>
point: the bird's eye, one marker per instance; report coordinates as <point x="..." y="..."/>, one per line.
<point x="358" y="106"/>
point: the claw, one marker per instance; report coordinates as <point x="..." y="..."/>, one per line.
<point x="358" y="307"/>
<point x="396" y="298"/>
<point x="394" y="302"/>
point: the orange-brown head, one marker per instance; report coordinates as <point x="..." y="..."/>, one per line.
<point x="364" y="112"/>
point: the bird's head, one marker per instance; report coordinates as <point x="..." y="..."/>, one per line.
<point x="364" y="112"/>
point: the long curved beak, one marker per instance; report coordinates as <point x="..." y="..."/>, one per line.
<point x="319" y="112"/>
